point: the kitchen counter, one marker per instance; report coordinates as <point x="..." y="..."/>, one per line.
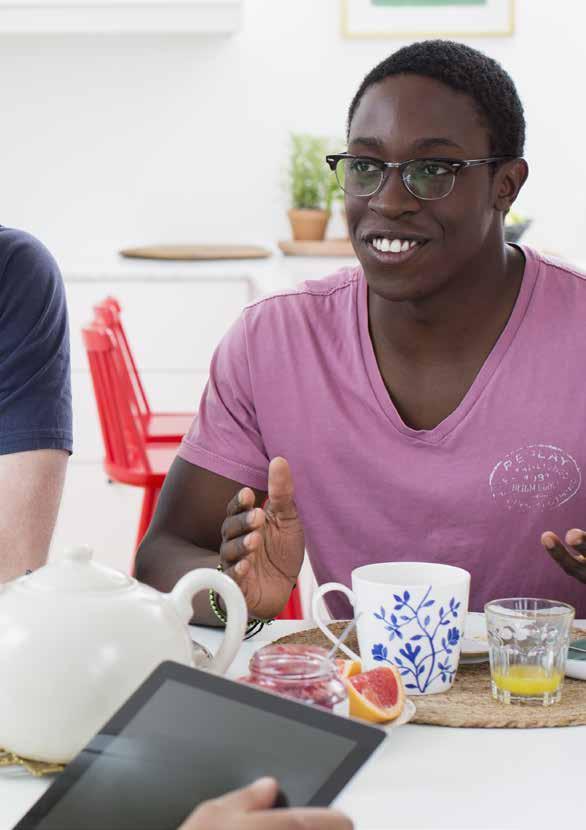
<point x="275" y="273"/>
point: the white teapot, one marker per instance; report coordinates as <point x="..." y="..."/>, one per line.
<point x="77" y="638"/>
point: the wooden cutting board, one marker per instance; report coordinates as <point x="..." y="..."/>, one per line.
<point x="326" y="247"/>
<point x="196" y="252"/>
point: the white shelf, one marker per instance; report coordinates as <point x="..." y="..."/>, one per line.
<point x="206" y="17"/>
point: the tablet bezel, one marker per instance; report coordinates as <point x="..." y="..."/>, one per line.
<point x="367" y="738"/>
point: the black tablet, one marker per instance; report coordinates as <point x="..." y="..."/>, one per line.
<point x="185" y="736"/>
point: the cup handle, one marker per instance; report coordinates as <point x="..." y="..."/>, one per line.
<point x="321" y="591"/>
<point x="203" y="579"/>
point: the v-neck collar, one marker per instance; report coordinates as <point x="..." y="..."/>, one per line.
<point x="500" y="348"/>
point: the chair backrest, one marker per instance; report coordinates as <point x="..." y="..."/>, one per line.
<point x="123" y="428"/>
<point x="108" y="313"/>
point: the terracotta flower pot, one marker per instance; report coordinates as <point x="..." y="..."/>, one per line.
<point x="307" y="224"/>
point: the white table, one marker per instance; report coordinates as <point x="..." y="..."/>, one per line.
<point x="425" y="777"/>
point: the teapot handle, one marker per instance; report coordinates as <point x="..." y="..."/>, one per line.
<point x="203" y="579"/>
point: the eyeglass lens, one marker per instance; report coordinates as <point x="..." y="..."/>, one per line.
<point x="423" y="178"/>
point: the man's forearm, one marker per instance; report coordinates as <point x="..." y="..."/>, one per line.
<point x="31" y="484"/>
<point x="162" y="560"/>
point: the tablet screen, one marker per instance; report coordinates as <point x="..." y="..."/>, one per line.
<point x="187" y="743"/>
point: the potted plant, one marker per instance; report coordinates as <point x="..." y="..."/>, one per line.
<point x="313" y="187"/>
<point x="515" y="226"/>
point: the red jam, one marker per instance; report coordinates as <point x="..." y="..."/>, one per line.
<point x="304" y="673"/>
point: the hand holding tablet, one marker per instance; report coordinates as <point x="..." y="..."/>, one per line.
<point x="250" y="809"/>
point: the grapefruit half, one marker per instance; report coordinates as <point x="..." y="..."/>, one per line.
<point x="348" y="668"/>
<point x="377" y="695"/>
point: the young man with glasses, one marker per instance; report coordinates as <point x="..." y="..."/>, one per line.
<point x="425" y="405"/>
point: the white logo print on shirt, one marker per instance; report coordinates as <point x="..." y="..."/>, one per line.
<point x="536" y="477"/>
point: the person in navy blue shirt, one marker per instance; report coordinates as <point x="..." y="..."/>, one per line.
<point x="35" y="400"/>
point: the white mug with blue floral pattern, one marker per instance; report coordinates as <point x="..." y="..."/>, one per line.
<point x="410" y="615"/>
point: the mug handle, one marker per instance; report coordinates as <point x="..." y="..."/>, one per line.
<point x="203" y="579"/>
<point x="321" y="591"/>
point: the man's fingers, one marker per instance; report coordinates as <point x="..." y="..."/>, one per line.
<point x="310" y="818"/>
<point x="232" y="551"/>
<point x="281" y="489"/>
<point x="549" y="540"/>
<point x="243" y="500"/>
<point x="576" y="539"/>
<point x="260" y="795"/>
<point x="555" y="548"/>
<point x="242" y="523"/>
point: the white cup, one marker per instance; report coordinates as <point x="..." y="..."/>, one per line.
<point x="412" y="615"/>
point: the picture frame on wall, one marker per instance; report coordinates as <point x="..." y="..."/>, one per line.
<point x="417" y="19"/>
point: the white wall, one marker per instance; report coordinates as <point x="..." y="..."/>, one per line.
<point x="109" y="141"/>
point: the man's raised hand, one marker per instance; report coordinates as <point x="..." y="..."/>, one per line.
<point x="262" y="548"/>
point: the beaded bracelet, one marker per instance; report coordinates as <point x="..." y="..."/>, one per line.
<point x="254" y="626"/>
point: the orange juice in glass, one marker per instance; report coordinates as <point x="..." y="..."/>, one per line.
<point x="528" y="644"/>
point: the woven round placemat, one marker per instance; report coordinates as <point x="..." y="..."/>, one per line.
<point x="36" y="768"/>
<point x="469" y="702"/>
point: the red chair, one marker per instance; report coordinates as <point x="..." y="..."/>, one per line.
<point x="293" y="609"/>
<point x="130" y="458"/>
<point x="159" y="426"/>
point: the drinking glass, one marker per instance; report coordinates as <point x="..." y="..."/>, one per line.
<point x="528" y="643"/>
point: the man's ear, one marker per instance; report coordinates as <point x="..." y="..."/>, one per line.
<point x="508" y="181"/>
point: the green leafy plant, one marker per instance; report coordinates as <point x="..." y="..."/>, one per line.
<point x="312" y="184"/>
<point x="514" y="218"/>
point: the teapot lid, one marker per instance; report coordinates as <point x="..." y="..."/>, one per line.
<point x="76" y="572"/>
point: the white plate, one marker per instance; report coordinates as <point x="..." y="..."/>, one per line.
<point x="406" y="715"/>
<point x="474" y="647"/>
<point x="466" y="660"/>
<point x="576" y="669"/>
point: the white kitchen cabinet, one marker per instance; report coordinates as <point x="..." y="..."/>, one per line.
<point x="201" y="17"/>
<point x="171" y="325"/>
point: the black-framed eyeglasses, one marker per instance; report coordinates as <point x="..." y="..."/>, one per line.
<point x="432" y="178"/>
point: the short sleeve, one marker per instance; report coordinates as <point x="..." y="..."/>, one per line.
<point x="224" y="437"/>
<point x="35" y="375"/>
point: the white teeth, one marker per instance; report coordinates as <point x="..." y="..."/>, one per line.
<point x="395" y="246"/>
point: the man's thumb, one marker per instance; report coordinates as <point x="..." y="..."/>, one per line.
<point x="281" y="488"/>
<point x="260" y="795"/>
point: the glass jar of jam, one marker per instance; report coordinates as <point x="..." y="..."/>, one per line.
<point x="304" y="673"/>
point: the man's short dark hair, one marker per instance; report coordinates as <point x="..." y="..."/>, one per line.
<point x="465" y="70"/>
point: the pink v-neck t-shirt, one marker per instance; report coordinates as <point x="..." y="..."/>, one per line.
<point x="296" y="376"/>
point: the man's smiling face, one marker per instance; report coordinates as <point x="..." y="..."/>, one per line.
<point x="406" y="117"/>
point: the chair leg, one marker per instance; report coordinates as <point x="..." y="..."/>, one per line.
<point x="293" y="610"/>
<point x="149" y="502"/>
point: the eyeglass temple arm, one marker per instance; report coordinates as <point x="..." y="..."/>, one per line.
<point x="478" y="162"/>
